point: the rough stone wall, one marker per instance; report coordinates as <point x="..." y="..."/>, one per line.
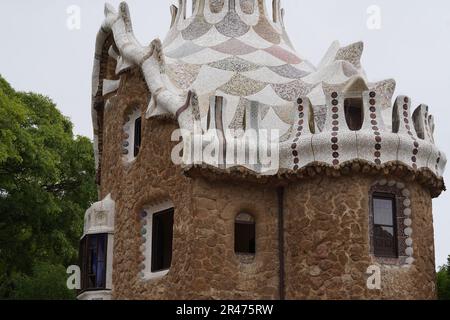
<point x="150" y="178"/>
<point x="328" y="248"/>
<point x="220" y="273"/>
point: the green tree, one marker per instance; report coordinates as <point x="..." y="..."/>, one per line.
<point x="46" y="184"/>
<point x="443" y="281"/>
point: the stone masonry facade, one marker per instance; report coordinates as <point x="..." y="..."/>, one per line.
<point x="327" y="239"/>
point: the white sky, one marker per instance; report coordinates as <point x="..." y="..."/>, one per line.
<point x="39" y="53"/>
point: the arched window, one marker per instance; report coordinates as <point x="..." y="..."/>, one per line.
<point x="353" y="103"/>
<point x="133" y="134"/>
<point x="354" y="115"/>
<point x="245" y="234"/>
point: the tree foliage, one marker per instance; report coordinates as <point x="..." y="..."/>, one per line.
<point x="443" y="281"/>
<point x="46" y="184"/>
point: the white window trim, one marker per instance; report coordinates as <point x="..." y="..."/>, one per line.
<point x="128" y="128"/>
<point x="147" y="227"/>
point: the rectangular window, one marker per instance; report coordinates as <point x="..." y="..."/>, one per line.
<point x="137" y="135"/>
<point x="384" y="226"/>
<point x="93" y="261"/>
<point x="162" y="234"/>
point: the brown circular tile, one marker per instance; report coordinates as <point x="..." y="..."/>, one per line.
<point x="294" y="146"/>
<point x="300" y="122"/>
<point x="296" y="167"/>
<point x="334" y="140"/>
<point x="377" y="154"/>
<point x="300" y="128"/>
<point x="335" y="147"/>
<point x="334" y="95"/>
<point x="295" y="153"/>
<point x="378" y="146"/>
<point x="406" y="120"/>
<point x="372" y="102"/>
<point x="406" y="100"/>
<point x="334" y="109"/>
<point x="378" y="161"/>
<point x="373" y="109"/>
<point x="335" y="154"/>
<point x="414" y="159"/>
<point x="373" y="116"/>
<point x="296" y="160"/>
<point x="415" y="152"/>
<point x="300" y="109"/>
<point x="334" y="134"/>
<point x="335" y="116"/>
<point x="374" y="122"/>
<point x="405" y="107"/>
<point x="377" y="133"/>
<point x="299" y="100"/>
<point x="375" y="128"/>
<point x="335" y="123"/>
<point x="301" y="115"/>
<point x="335" y="162"/>
<point x="416" y="144"/>
<point x="438" y="160"/>
<point x="296" y="140"/>
<point x="335" y="102"/>
<point x="372" y="94"/>
<point x="298" y="134"/>
<point x="378" y="139"/>
<point x="335" y="129"/>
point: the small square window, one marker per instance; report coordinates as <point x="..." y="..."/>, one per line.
<point x="244" y="235"/>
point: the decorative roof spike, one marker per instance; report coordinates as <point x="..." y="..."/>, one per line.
<point x="173" y="13"/>
<point x="421" y="123"/>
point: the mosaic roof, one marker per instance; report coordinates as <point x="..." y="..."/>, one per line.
<point x="232" y="49"/>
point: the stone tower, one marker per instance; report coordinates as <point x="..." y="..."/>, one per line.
<point x="292" y="181"/>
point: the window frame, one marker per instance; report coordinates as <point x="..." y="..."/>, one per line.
<point x="155" y="248"/>
<point x="146" y="218"/>
<point x="85" y="262"/>
<point x="137" y="136"/>
<point x="393" y="198"/>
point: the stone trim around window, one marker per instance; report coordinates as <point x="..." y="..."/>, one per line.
<point x="132" y="114"/>
<point x="146" y="224"/>
<point x="403" y="220"/>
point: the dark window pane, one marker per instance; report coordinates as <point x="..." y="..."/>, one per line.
<point x="244" y="235"/>
<point x="384" y="215"/>
<point x="93" y="261"/>
<point x="353" y="108"/>
<point x="137" y="135"/>
<point x="384" y="241"/>
<point x="162" y="235"/>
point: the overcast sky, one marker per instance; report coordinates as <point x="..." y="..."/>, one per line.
<point x="39" y="53"/>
